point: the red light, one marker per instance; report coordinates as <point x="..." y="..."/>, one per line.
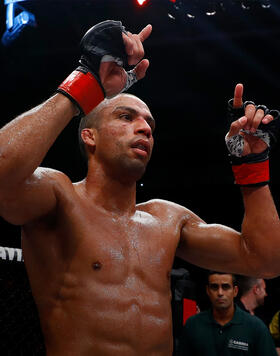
<point x="173" y="1"/>
<point x="141" y="2"/>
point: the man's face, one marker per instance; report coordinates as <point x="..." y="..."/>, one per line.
<point x="125" y="137"/>
<point x="221" y="291"/>
<point x="260" y="291"/>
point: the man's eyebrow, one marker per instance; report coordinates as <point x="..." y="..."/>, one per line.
<point x="134" y="112"/>
<point x="127" y="108"/>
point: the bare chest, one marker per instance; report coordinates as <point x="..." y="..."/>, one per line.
<point x="117" y="246"/>
<point x="106" y="270"/>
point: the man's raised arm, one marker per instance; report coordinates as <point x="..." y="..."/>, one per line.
<point x="256" y="250"/>
<point x="249" y="141"/>
<point x="106" y="49"/>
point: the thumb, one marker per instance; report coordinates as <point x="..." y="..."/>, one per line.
<point x="141" y="68"/>
<point x="236" y="126"/>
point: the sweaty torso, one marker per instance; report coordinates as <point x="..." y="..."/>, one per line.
<point x="101" y="281"/>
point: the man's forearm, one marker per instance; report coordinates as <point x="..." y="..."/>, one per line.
<point x="261" y="230"/>
<point x="25" y="141"/>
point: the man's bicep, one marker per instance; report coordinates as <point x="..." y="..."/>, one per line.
<point x="34" y="198"/>
<point x="212" y="246"/>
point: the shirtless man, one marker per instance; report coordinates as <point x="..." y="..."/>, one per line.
<point x="99" y="265"/>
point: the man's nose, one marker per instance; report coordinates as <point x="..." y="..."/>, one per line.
<point x="141" y="126"/>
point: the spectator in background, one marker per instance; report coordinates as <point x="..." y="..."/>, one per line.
<point x="252" y="292"/>
<point x="225" y="329"/>
<point x="274" y="329"/>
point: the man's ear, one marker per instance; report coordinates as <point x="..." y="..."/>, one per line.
<point x="256" y="289"/>
<point x="89" y="138"/>
<point x="235" y="290"/>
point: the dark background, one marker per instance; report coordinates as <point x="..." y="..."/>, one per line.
<point x="194" y="66"/>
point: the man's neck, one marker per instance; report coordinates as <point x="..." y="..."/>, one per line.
<point x="249" y="303"/>
<point x="112" y="195"/>
<point x="223" y="316"/>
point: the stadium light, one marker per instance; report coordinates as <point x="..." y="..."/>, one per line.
<point x="141" y="2"/>
<point x="211" y="8"/>
<point x="17" y="19"/>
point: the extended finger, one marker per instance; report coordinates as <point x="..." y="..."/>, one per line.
<point x="238" y="94"/>
<point x="135" y="50"/>
<point x="257" y="119"/>
<point x="128" y="43"/>
<point x="138" y="53"/>
<point x="145" y="33"/>
<point x="250" y="110"/>
<point x="267" y="119"/>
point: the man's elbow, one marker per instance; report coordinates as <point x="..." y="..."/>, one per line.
<point x="265" y="269"/>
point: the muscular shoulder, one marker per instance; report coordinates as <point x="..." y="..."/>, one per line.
<point x="36" y="196"/>
<point x="161" y="206"/>
<point x="53" y="182"/>
<point x="49" y="181"/>
<point x="49" y="176"/>
<point x="167" y="210"/>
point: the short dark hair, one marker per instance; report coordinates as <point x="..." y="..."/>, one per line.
<point x="211" y="272"/>
<point x="90" y="120"/>
<point x="246" y="283"/>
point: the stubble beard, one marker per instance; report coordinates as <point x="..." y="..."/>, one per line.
<point x="132" y="169"/>
<point x="125" y="169"/>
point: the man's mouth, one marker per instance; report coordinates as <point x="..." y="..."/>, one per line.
<point x="141" y="145"/>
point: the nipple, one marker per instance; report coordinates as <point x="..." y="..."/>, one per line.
<point x="96" y="265"/>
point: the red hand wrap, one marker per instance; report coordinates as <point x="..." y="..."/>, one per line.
<point x="84" y="89"/>
<point x="251" y="173"/>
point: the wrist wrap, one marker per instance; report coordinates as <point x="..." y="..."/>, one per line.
<point x="83" y="89"/>
<point x="251" y="170"/>
<point x="250" y="175"/>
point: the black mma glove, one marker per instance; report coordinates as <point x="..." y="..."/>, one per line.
<point x="102" y="42"/>
<point x="233" y="113"/>
<point x="252" y="169"/>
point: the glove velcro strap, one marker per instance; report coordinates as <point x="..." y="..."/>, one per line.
<point x="83" y="89"/>
<point x="252" y="174"/>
